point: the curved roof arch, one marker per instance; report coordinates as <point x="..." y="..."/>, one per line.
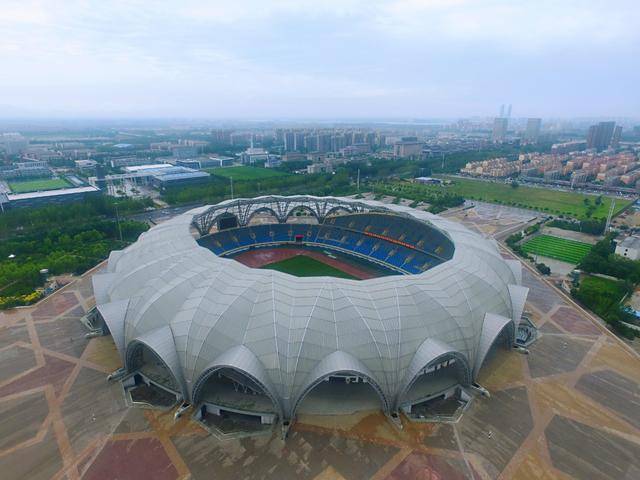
<point x="160" y="342"/>
<point x="302" y="208"/>
<point x="431" y="352"/>
<point x="260" y="210"/>
<point x="338" y="362"/>
<point x="244" y="361"/>
<point x="492" y="327"/>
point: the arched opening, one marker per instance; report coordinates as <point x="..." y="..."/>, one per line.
<point x="303" y="214"/>
<point x="337" y="210"/>
<point x="341" y="393"/>
<point x="152" y="383"/>
<point x="229" y="400"/>
<point x="436" y="390"/>
<point x="226" y="220"/>
<point x="262" y="215"/>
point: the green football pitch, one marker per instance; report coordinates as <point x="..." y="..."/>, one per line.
<point x="38" y="185"/>
<point x="569" y="251"/>
<point x="303" y="266"/>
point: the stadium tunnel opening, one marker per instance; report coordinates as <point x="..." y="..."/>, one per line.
<point x="151" y="382"/>
<point x="341" y="393"/>
<point x="228" y="400"/>
<point x="437" y="390"/>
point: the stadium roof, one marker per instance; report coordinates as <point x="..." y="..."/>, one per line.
<point x="200" y="312"/>
<point x="52" y="193"/>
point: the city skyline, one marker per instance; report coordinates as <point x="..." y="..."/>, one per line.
<point x="347" y="59"/>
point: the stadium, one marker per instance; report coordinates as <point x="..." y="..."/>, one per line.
<point x="257" y="310"/>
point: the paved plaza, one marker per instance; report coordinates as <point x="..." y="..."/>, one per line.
<point x="569" y="410"/>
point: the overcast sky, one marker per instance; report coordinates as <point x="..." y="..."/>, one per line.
<point x="319" y="58"/>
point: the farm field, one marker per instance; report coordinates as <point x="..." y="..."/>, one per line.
<point x="542" y="199"/>
<point x="37" y="185"/>
<point x="570" y="251"/>
<point x="246" y="173"/>
<point x="304" y="266"/>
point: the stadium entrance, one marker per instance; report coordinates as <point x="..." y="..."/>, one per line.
<point x="340" y="394"/>
<point x="151" y="384"/>
<point x="229" y="402"/>
<point x="437" y="391"/>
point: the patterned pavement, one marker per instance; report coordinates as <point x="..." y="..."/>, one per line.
<point x="570" y="409"/>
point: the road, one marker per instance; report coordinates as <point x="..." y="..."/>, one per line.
<point x="162" y="214"/>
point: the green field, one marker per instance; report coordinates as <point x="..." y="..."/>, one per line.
<point x="303" y="266"/>
<point x="543" y="199"/>
<point x="569" y="251"/>
<point x="38" y="185"/>
<point x="246" y="173"/>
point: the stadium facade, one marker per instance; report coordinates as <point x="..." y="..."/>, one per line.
<point x="223" y="336"/>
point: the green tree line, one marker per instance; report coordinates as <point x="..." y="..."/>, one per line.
<point x="63" y="239"/>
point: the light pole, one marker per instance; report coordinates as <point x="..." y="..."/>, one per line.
<point x="118" y="222"/>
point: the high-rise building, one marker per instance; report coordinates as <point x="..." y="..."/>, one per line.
<point x="408" y="147"/>
<point x="370" y="138"/>
<point x="323" y="142"/>
<point x="532" y="133"/>
<point x="338" y="142"/>
<point x="289" y="141"/>
<point x="14" y="143"/>
<point x="599" y="136"/>
<point x="298" y="141"/>
<point x="311" y="143"/>
<point x="615" y="139"/>
<point x="500" y="129"/>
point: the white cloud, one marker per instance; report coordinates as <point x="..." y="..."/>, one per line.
<point x="403" y="55"/>
<point x="511" y="24"/>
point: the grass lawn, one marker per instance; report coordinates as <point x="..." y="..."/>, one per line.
<point x="569" y="251"/>
<point x="303" y="266"/>
<point x="246" y="173"/>
<point x="38" y="185"/>
<point x="543" y="199"/>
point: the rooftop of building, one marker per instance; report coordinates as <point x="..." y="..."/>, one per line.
<point x="52" y="193"/>
<point x="631" y="241"/>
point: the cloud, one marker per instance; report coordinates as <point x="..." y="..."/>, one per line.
<point x="511" y="24"/>
<point x="414" y="57"/>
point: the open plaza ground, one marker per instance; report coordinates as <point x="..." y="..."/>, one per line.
<point x="38" y="185"/>
<point x="568" y="410"/>
<point x="570" y="251"/>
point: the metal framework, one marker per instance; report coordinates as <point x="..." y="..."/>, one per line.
<point x="280" y="207"/>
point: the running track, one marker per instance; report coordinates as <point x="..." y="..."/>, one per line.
<point x="264" y="256"/>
